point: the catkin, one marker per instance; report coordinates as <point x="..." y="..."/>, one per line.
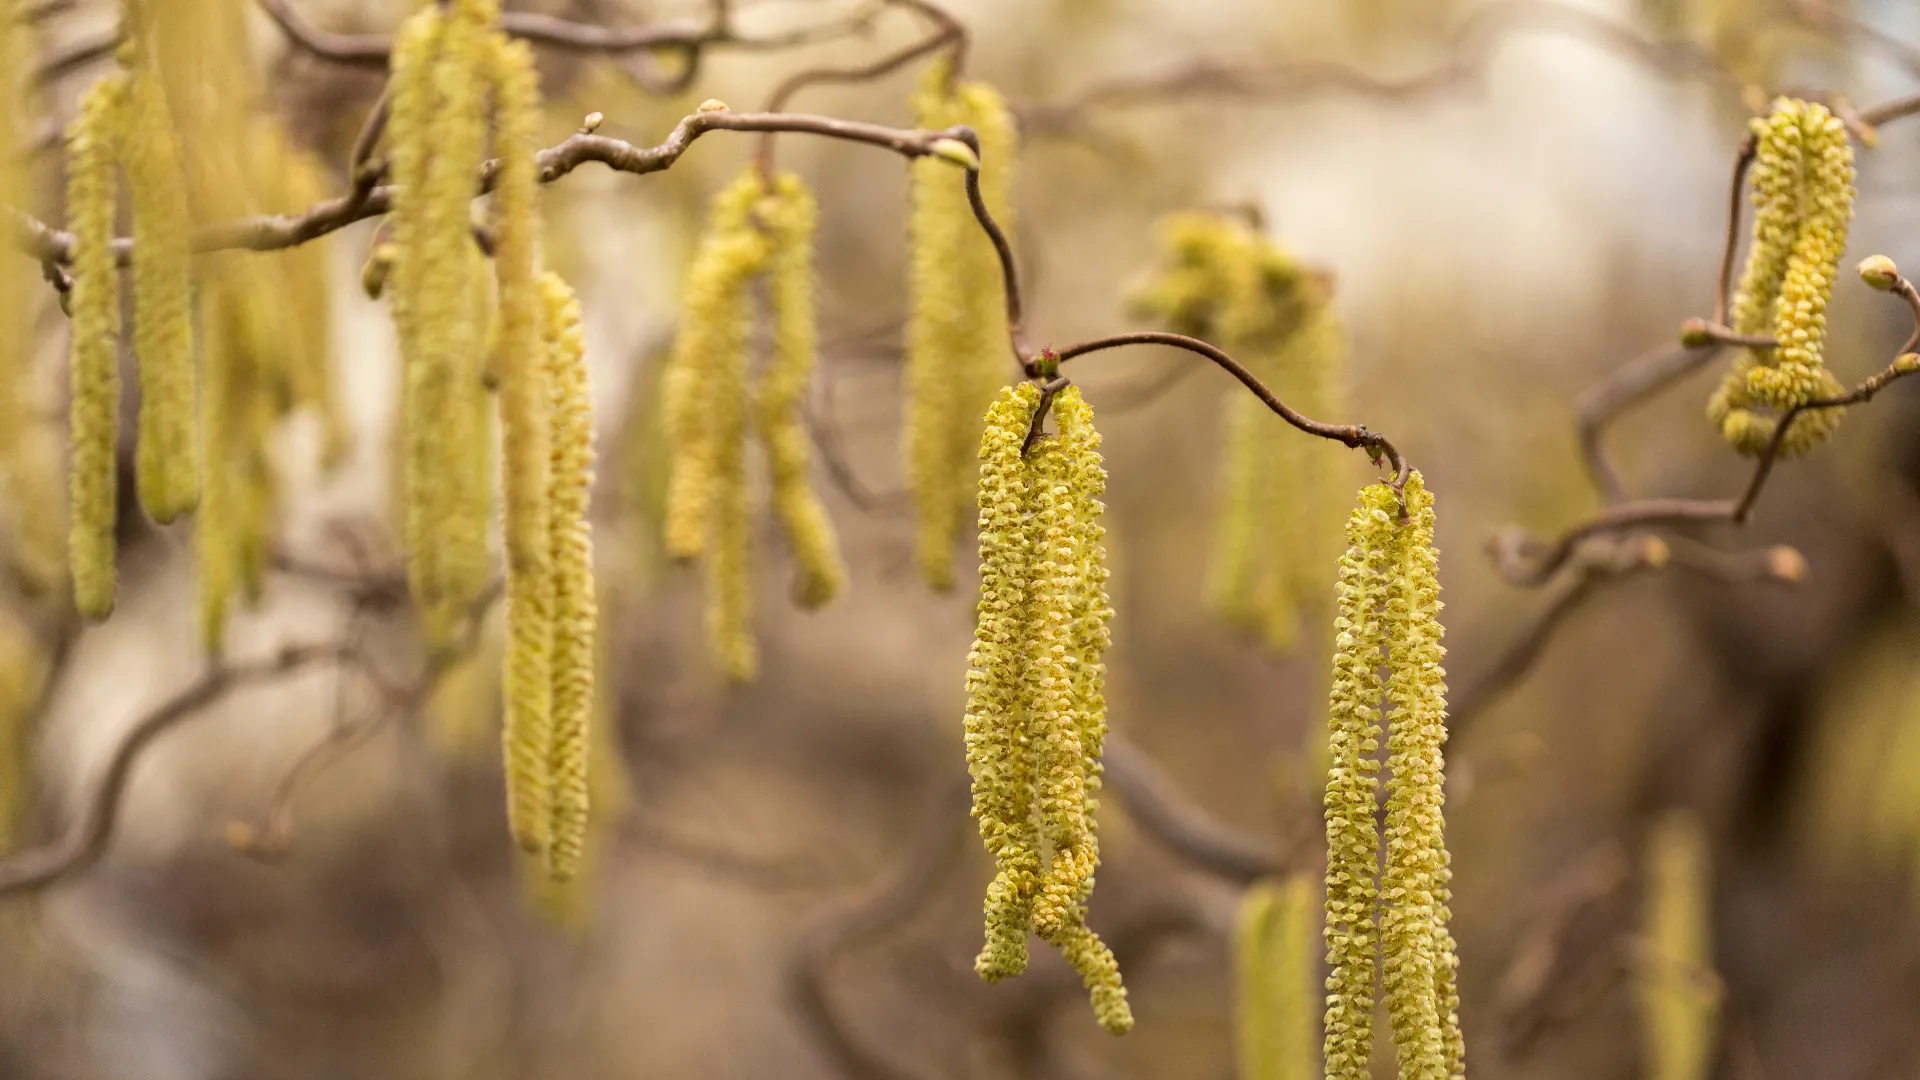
<point x="1275" y="962"/>
<point x="1035" y="716"/>
<point x="1221" y="281"/>
<point x="1803" y="196"/>
<point x="1389" y="604"/>
<point x="789" y="215"/>
<point x="94" y="418"/>
<point x="957" y="329"/>
<point x="575" y="606"/>
<point x="167" y="454"/>
<point x="1678" y="992"/>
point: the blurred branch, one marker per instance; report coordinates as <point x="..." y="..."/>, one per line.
<point x="1471" y="52"/>
<point x="75" y="55"/>
<point x="1164" y="813"/>
<point x="85" y="840"/>
<point x="936" y="846"/>
<point x="1541" y="986"/>
<point x="1635" y="382"/>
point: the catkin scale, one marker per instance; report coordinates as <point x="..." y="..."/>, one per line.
<point x="94" y="412"/>
<point x="167" y="464"/>
<point x="1035" y="714"/>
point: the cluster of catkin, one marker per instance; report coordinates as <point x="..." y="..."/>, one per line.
<point x="1279" y="494"/>
<point x="957" y="352"/>
<point x="1678" y="992"/>
<point x="1036" y="699"/>
<point x="1803" y="198"/>
<point x="1276" y="964"/>
<point x="759" y="228"/>
<point x="453" y="73"/>
<point x="124" y="124"/>
<point x="1390" y="916"/>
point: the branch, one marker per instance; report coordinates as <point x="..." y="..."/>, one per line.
<point x="85" y="840"/>
<point x="1635" y="382"/>
<point x="74" y="56"/>
<point x="1474" y="46"/>
<point x="1164" y="813"/>
<point x="272" y="232"/>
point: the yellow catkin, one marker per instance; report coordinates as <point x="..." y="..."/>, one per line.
<point x="94" y="418"/>
<point x="1035" y="718"/>
<point x="1678" y="992"/>
<point x="790" y="215"/>
<point x="957" y="352"/>
<point x="1222" y="281"/>
<point x="1352" y="797"/>
<point x="1803" y="196"/>
<point x="1275" y="964"/>
<point x="22" y="670"/>
<point x="223" y="346"/>
<point x="575" y="604"/>
<point x="167" y="455"/>
<point x="1410" y="922"/>
<point x="526" y="454"/>
<point x="704" y="388"/>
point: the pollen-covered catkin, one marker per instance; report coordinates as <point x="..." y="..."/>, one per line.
<point x="1679" y="994"/>
<point x="94" y="417"/>
<point x="575" y="604"/>
<point x="957" y="350"/>
<point x="1803" y="195"/>
<point x="1416" y="728"/>
<point x="1035" y="720"/>
<point x="1276" y="942"/>
<point x="167" y="453"/>
<point x="789" y="215"/>
<point x="1352" y="798"/>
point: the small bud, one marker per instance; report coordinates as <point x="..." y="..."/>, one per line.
<point x="1655" y="552"/>
<point x="592" y="123"/>
<point x="241" y="836"/>
<point x="373" y="276"/>
<point x="955" y="151"/>
<point x="1879" y="272"/>
<point x="1907" y="363"/>
<point x="1787" y="564"/>
<point x="713" y="105"/>
<point x="1694" y="334"/>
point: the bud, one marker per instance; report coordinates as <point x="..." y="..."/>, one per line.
<point x="955" y="151"/>
<point x="1655" y="552"/>
<point x="713" y="105"/>
<point x="1879" y="272"/>
<point x="1787" y="564"/>
<point x="593" y="121"/>
<point x="1694" y="334"/>
<point x="373" y="276"/>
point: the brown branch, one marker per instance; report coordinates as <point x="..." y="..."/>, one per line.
<point x="1009" y="269"/>
<point x="1349" y="435"/>
<point x="1635" y="382"/>
<point x="1723" y="289"/>
<point x="74" y="56"/>
<point x="1163" y="812"/>
<point x="1475" y="44"/>
<point x="272" y="232"/>
<point x="85" y="840"/>
<point x="936" y="846"/>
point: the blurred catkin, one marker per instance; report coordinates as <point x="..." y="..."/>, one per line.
<point x="1036" y="707"/>
<point x="957" y="345"/>
<point x="94" y="418"/>
<point x="1803" y="197"/>
<point x="1220" y="280"/>
<point x="704" y="388"/>
<point x="575" y="601"/>
<point x="1678" y="992"/>
<point x="167" y="455"/>
<point x="789" y="214"/>
<point x="1276" y="945"/>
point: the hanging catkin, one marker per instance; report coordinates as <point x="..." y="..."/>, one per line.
<point x="1389" y="604"/>
<point x="1803" y="195"/>
<point x="94" y="417"/>
<point x="1678" y="992"/>
<point x="789" y="215"/>
<point x="575" y="605"/>
<point x="1276" y="967"/>
<point x="1222" y="281"/>
<point x="1036" y="709"/>
<point x="167" y="455"/>
<point x="957" y="352"/>
<point x="705" y="387"/>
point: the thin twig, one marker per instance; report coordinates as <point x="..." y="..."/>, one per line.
<point x="1742" y="161"/>
<point x="1163" y="812"/>
<point x="74" y="56"/>
<point x="1635" y="381"/>
<point x="85" y="840"/>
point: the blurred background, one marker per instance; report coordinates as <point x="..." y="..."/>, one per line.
<point x="1515" y="199"/>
